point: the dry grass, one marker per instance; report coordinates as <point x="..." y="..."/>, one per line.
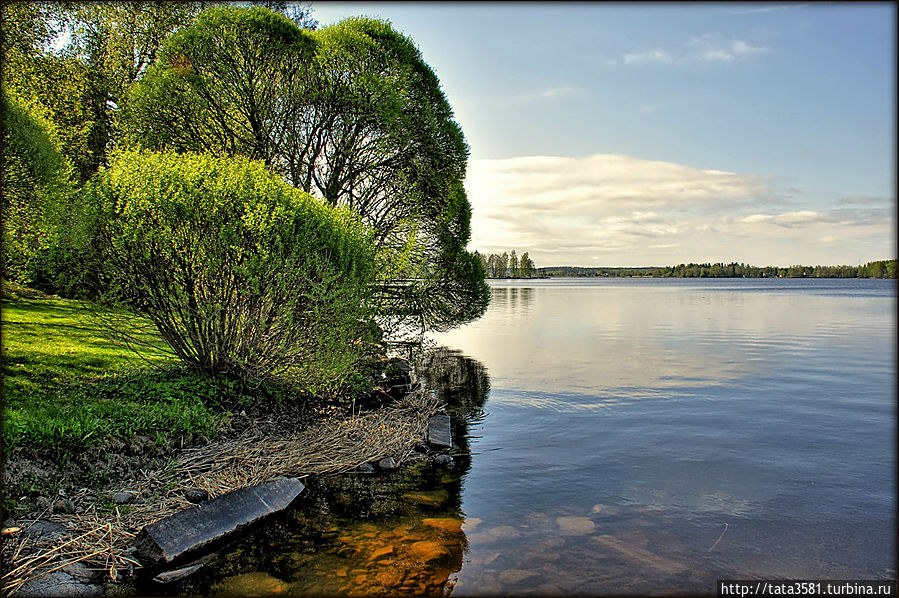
<point x="101" y="541"/>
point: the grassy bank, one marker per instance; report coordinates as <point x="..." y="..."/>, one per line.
<point x="66" y="386"/>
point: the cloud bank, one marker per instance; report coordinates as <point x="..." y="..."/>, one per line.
<point x="617" y="210"/>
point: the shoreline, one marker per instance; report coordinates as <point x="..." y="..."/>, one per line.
<point x="85" y="535"/>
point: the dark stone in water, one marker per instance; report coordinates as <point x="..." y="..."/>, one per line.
<point x="439" y="434"/>
<point x="387" y="463"/>
<point x="122" y="498"/>
<point x="444" y="460"/>
<point x="366" y="468"/>
<point x="196" y="495"/>
<point x="197" y="528"/>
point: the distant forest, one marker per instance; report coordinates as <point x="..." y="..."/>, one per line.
<point x="507" y="265"/>
<point x="879" y="269"/>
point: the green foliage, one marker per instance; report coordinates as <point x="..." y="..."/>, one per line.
<point x="351" y="113"/>
<point x="65" y="385"/>
<point x="36" y="186"/>
<point x="508" y="265"/>
<point x="242" y="274"/>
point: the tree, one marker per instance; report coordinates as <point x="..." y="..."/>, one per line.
<point x="241" y="273"/>
<point x="527" y="266"/>
<point x="350" y="113"/>
<point x="513" y="265"/>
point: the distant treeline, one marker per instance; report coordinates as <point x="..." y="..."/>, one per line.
<point x="508" y="265"/>
<point x="879" y="269"/>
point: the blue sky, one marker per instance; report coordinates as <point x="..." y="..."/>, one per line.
<point x="653" y="134"/>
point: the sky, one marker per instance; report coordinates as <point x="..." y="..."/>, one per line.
<point x="639" y="134"/>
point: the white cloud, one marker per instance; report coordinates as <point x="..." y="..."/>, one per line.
<point x="708" y="48"/>
<point x="610" y="209"/>
<point x="788" y="219"/>
<point x="548" y="93"/>
<point x="649" y="57"/>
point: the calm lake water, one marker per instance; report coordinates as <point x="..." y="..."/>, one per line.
<point x="626" y="436"/>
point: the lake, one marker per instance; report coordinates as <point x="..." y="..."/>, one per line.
<point x="626" y="436"/>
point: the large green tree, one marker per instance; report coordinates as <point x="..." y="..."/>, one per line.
<point x="350" y="113"/>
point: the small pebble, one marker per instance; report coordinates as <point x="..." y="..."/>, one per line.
<point x="122" y="498"/>
<point x="196" y="495"/>
<point x="64" y="505"/>
<point x="387" y="463"/>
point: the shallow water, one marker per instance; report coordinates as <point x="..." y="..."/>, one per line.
<point x="625" y="436"/>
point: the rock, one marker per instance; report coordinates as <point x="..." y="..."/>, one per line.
<point x="447" y="524"/>
<point x="439" y="432"/>
<point x="64" y="505"/>
<point x="70" y="581"/>
<point x="427" y="551"/>
<point x="504" y="532"/>
<point x="195" y="528"/>
<point x="123" y="498"/>
<point x="432" y="498"/>
<point x="176" y="574"/>
<point x="575" y="526"/>
<point x="379" y="552"/>
<point x="444" y="461"/>
<point x="366" y="468"/>
<point x="387" y="463"/>
<point x="251" y="584"/>
<point x="45" y="530"/>
<point x="421" y="448"/>
<point x="196" y="495"/>
<point x="471" y="524"/>
<point x="641" y="555"/>
<point x="514" y="576"/>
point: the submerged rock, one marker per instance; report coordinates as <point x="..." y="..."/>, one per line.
<point x="575" y="526"/>
<point x="444" y="461"/>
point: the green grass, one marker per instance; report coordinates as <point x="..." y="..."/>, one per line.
<point x="65" y="385"/>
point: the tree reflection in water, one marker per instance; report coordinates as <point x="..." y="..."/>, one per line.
<point x="390" y="533"/>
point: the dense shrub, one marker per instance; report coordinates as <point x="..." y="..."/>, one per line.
<point x="36" y="185"/>
<point x="241" y="273"/>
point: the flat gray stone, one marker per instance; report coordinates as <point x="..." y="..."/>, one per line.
<point x="439" y="433"/>
<point x="195" y="528"/>
<point x="46" y="530"/>
<point x="69" y="581"/>
<point x="122" y="498"/>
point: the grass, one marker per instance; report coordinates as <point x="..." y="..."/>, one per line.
<point x="65" y="385"/>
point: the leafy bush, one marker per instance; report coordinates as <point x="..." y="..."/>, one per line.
<point x="241" y="273"/>
<point x="36" y="183"/>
